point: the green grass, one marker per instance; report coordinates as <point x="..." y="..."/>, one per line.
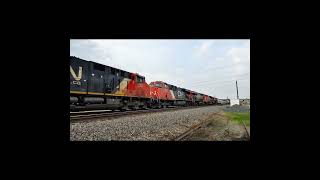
<point x="245" y="117"/>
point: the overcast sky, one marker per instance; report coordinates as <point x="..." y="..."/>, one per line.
<point x="206" y="66"/>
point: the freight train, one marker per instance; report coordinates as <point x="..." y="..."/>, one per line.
<point x="97" y="86"/>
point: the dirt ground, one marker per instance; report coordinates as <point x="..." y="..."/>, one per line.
<point x="220" y="128"/>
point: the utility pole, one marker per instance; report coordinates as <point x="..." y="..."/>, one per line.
<point x="237" y="90"/>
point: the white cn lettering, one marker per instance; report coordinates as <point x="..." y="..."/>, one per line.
<point x="74" y="74"/>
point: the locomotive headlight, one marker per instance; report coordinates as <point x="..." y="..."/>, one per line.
<point x="92" y="74"/>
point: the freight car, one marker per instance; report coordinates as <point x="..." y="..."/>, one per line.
<point x="97" y="86"/>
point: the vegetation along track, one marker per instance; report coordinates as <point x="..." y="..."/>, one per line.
<point x="93" y="115"/>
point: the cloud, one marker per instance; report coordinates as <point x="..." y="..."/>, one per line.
<point x="240" y="58"/>
<point x="239" y="54"/>
<point x="203" y="49"/>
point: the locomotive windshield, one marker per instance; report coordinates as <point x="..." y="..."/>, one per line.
<point x="140" y="79"/>
<point x="155" y="84"/>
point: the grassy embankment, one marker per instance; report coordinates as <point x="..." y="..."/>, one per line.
<point x="245" y="117"/>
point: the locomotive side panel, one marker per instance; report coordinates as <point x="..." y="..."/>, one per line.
<point x="78" y="76"/>
<point x="180" y="95"/>
<point x="105" y="80"/>
<point x="199" y="97"/>
<point x="206" y="99"/>
<point x="160" y="90"/>
<point x="137" y="87"/>
<point x="96" y="80"/>
<point x="116" y="81"/>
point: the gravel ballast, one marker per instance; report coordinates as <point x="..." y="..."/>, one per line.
<point x="143" y="127"/>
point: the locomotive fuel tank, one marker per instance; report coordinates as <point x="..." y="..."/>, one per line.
<point x="73" y="100"/>
<point x="93" y="100"/>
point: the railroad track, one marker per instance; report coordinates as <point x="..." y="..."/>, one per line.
<point x="204" y="123"/>
<point x="195" y="127"/>
<point x="92" y="115"/>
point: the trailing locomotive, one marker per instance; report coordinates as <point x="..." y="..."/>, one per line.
<point x="96" y="86"/>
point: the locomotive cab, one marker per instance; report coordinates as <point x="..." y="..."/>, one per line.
<point x="159" y="84"/>
<point x="137" y="78"/>
<point x="140" y="79"/>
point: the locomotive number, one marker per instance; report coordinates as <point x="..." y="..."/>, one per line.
<point x="154" y="93"/>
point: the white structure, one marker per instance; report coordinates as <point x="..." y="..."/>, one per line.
<point x="234" y="102"/>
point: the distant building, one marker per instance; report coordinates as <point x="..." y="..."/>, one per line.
<point x="244" y="101"/>
<point x="234" y="102"/>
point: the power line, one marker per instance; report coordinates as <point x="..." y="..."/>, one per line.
<point x="203" y="82"/>
<point x="220" y="85"/>
<point x="223" y="76"/>
<point x="228" y="66"/>
<point x="223" y="67"/>
<point x="219" y="88"/>
<point x="227" y="83"/>
<point x="215" y="82"/>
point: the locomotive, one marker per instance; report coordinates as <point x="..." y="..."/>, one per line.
<point x="97" y="86"/>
